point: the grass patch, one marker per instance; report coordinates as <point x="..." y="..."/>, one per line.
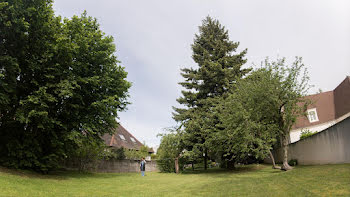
<point x="252" y="180"/>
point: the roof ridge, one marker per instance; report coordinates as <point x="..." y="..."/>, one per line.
<point x="346" y="78"/>
<point x="130" y="133"/>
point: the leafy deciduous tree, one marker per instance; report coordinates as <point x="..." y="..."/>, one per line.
<point x="263" y="107"/>
<point x="60" y="81"/>
<point x="170" y="149"/>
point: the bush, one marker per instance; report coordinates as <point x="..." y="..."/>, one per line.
<point x="306" y="134"/>
<point x="113" y="153"/>
<point x="137" y="154"/>
<point x="293" y="162"/>
<point x="154" y="156"/>
<point x="88" y="153"/>
<point x="166" y="165"/>
<point x="119" y="153"/>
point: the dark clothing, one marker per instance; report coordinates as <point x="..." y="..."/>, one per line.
<point x="143" y="166"/>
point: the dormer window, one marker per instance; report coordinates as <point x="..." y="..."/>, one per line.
<point x="132" y="139"/>
<point x="122" y="136"/>
<point x="312" y="115"/>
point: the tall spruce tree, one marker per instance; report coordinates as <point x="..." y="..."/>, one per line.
<point x="219" y="64"/>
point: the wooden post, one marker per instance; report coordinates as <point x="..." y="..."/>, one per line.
<point x="177" y="165"/>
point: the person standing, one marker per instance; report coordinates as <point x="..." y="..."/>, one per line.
<point x="143" y="166"/>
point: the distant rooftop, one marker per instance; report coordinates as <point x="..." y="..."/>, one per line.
<point x="122" y="138"/>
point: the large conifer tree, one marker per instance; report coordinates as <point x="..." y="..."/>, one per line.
<point x="219" y="64"/>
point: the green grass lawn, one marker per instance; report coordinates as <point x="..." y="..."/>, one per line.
<point x="253" y="180"/>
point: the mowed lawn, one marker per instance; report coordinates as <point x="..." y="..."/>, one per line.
<point x="252" y="180"/>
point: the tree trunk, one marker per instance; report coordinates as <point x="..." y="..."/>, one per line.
<point x="231" y="164"/>
<point x="192" y="166"/>
<point x="285" y="165"/>
<point x="273" y="161"/>
<point x="177" y="165"/>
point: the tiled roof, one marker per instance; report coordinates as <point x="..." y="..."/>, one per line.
<point x="122" y="138"/>
<point x="329" y="105"/>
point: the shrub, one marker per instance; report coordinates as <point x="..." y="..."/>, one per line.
<point x="87" y="154"/>
<point x="293" y="162"/>
<point x="154" y="156"/>
<point x="113" y="153"/>
<point x="119" y="153"/>
<point x="306" y="134"/>
<point x="137" y="154"/>
<point x="166" y="165"/>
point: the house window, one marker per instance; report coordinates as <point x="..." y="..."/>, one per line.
<point x="132" y="139"/>
<point x="312" y="115"/>
<point x="122" y="136"/>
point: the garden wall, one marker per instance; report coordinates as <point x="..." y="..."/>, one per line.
<point x="117" y="166"/>
<point x="330" y="146"/>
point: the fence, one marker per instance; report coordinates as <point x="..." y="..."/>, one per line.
<point x="330" y="146"/>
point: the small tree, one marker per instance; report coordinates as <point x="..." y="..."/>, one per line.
<point x="248" y="129"/>
<point x="306" y="133"/>
<point x="261" y="110"/>
<point x="289" y="97"/>
<point x="170" y="148"/>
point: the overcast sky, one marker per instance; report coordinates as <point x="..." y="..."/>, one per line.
<point x="154" y="38"/>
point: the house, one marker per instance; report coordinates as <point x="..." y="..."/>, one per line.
<point x="327" y="109"/>
<point x="122" y="138"/>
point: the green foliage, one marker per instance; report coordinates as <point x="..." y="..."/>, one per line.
<point x="120" y="153"/>
<point x="88" y="153"/>
<point x="170" y="148"/>
<point x="113" y="153"/>
<point x="260" y="110"/>
<point x="288" y="97"/>
<point x="219" y="65"/>
<point x="306" y="133"/>
<point x="190" y="157"/>
<point x="166" y="165"/>
<point x="154" y="156"/>
<point x="137" y="154"/>
<point x="247" y="119"/>
<point x="293" y="162"/>
<point x="60" y="81"/>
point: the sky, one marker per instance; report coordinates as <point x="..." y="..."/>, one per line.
<point x="153" y="40"/>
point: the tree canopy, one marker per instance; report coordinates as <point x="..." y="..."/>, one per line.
<point x="261" y="110"/>
<point x="60" y="80"/>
